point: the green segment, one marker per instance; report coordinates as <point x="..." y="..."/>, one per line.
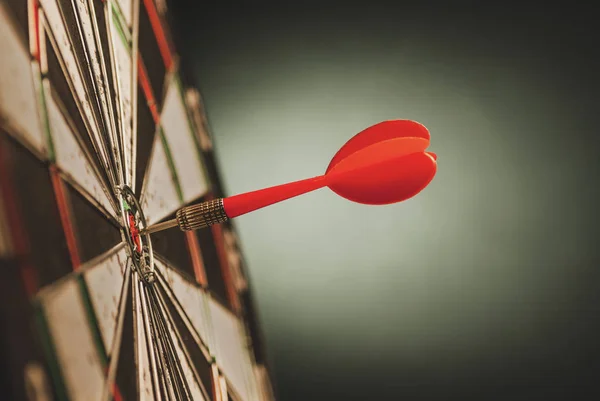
<point x="92" y="320"/>
<point x="50" y="351"/>
<point x="120" y="24"/>
<point x="44" y="117"/>
<point x="171" y="164"/>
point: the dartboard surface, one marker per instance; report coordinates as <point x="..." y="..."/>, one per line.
<point x="102" y="135"/>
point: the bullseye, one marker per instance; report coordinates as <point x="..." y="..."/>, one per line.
<point x="140" y="246"/>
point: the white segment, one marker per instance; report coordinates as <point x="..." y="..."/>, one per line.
<point x="70" y="332"/>
<point x="176" y="125"/>
<point x="159" y="197"/>
<point x="59" y="32"/>
<point x="126" y="7"/>
<point x="188" y="373"/>
<point x="264" y="383"/>
<point x="232" y="352"/>
<point x="18" y="98"/>
<point x="124" y="78"/>
<point x="194" y="101"/>
<point x="105" y="281"/>
<point x="146" y="391"/>
<point x="191" y="298"/>
<point x="70" y="157"/>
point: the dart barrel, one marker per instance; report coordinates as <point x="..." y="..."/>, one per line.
<point x="202" y="215"/>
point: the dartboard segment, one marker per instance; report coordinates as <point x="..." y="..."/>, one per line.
<point x="70" y="72"/>
<point x="160" y="195"/>
<point x="189" y="298"/>
<point x="19" y="110"/>
<point x="232" y="353"/>
<point x="105" y="280"/>
<point x="182" y="141"/>
<point x="123" y="80"/>
<point x="71" y="158"/>
<point x="41" y="235"/>
<point x="78" y="364"/>
<point x="92" y="26"/>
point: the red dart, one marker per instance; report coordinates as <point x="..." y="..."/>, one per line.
<point x="386" y="163"/>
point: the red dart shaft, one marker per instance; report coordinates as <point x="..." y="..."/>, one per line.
<point x="238" y="205"/>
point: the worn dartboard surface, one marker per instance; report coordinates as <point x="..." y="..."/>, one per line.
<point x="101" y="135"/>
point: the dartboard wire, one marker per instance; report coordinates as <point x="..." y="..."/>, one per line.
<point x="182" y="390"/>
<point x="171" y="322"/>
<point x="47" y="90"/>
<point x="81" y="11"/>
<point x="90" y="92"/>
<point x="134" y="86"/>
<point x="173" y="298"/>
<point x="155" y="369"/>
<point x="165" y="369"/>
<point x="144" y="347"/>
<point x="48" y="87"/>
<point x="168" y="323"/>
<point x="92" y="126"/>
<point x="113" y="20"/>
<point x="115" y="130"/>
<point x="117" y="337"/>
<point x="102" y="86"/>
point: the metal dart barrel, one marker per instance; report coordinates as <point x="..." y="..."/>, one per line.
<point x="194" y="217"/>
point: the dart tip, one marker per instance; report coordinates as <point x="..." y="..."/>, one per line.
<point x="159" y="227"/>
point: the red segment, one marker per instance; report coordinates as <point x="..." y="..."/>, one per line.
<point x="147" y="89"/>
<point x="232" y="294"/>
<point x="65" y="216"/>
<point x="380" y="132"/>
<point x="34" y="28"/>
<point x="135" y="233"/>
<point x="196" y="254"/>
<point x="159" y="32"/>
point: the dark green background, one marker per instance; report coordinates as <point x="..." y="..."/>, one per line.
<point x="484" y="286"/>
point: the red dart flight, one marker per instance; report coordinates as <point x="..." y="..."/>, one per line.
<point x="386" y="163"/>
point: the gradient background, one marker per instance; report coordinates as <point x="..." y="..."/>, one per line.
<point x="484" y="286"/>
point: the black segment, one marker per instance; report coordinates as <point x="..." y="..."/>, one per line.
<point x="126" y="379"/>
<point x="172" y="244"/>
<point x="65" y="97"/>
<point x="256" y="334"/>
<point x="212" y="265"/>
<point x="198" y="359"/>
<point x="150" y="53"/>
<point x="213" y="174"/>
<point x="18" y="346"/>
<point x="95" y="233"/>
<point x="146" y="131"/>
<point x="20" y="13"/>
<point x="38" y="211"/>
<point x="71" y="25"/>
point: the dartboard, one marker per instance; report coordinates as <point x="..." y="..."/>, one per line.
<point x="101" y="136"/>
